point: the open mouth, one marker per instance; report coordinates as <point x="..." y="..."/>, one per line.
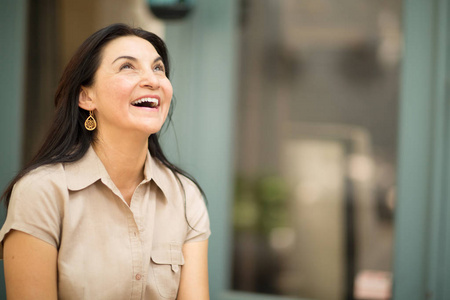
<point x="146" y="102"/>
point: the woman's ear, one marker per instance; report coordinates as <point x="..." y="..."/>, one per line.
<point x="84" y="100"/>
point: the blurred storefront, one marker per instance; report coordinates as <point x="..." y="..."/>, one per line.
<point x="319" y="130"/>
<point x="317" y="146"/>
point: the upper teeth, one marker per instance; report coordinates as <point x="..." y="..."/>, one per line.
<point x="142" y="100"/>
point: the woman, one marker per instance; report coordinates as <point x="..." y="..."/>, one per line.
<point x="100" y="213"/>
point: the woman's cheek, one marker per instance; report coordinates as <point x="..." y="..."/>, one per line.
<point x="123" y="85"/>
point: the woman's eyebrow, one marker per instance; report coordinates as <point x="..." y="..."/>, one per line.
<point x="159" y="58"/>
<point x="125" y="57"/>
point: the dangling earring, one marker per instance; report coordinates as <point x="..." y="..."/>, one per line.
<point x="90" y="122"/>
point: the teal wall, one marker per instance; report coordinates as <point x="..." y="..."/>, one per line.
<point x="12" y="66"/>
<point x="422" y="257"/>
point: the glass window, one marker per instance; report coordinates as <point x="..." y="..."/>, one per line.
<point x="316" y="148"/>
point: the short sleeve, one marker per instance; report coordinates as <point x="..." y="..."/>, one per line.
<point x="35" y="206"/>
<point x="197" y="215"/>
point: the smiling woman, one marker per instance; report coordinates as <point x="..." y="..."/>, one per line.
<point x="130" y="74"/>
<point x="100" y="213"/>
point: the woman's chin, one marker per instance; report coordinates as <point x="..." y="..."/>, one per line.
<point x="152" y="130"/>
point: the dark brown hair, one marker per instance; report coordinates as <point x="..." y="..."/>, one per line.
<point x="67" y="139"/>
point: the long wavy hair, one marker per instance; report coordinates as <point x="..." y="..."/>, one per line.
<point x="67" y="139"/>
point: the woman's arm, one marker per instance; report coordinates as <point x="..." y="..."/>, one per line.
<point x="194" y="274"/>
<point x="30" y="267"/>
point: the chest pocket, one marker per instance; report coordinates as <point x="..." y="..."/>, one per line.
<point x="166" y="265"/>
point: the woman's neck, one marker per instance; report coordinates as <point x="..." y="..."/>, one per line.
<point x="124" y="160"/>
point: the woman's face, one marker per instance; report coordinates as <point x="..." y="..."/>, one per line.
<point x="131" y="92"/>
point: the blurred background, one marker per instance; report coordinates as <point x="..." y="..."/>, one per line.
<point x="289" y="113"/>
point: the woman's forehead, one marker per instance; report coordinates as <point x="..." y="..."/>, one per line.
<point x="129" y="46"/>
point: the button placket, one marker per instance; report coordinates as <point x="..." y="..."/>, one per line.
<point x="136" y="253"/>
<point x="135" y="207"/>
<point x="137" y="221"/>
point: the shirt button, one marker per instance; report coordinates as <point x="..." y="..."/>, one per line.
<point x="138" y="277"/>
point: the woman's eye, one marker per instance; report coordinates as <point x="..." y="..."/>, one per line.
<point x="159" y="68"/>
<point x="126" y="66"/>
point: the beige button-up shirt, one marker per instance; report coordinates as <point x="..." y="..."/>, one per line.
<point x="107" y="249"/>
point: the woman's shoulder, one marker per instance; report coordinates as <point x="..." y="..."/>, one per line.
<point x="44" y="173"/>
<point x="170" y="181"/>
<point x="190" y="187"/>
<point x="37" y="202"/>
<point x="169" y="178"/>
<point x="41" y="178"/>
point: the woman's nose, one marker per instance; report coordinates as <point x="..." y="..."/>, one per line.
<point x="150" y="80"/>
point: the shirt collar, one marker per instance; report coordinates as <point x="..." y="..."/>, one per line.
<point x="89" y="169"/>
<point x="161" y="175"/>
<point x="85" y="171"/>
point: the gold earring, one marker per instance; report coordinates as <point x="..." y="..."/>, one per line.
<point x="90" y="122"/>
